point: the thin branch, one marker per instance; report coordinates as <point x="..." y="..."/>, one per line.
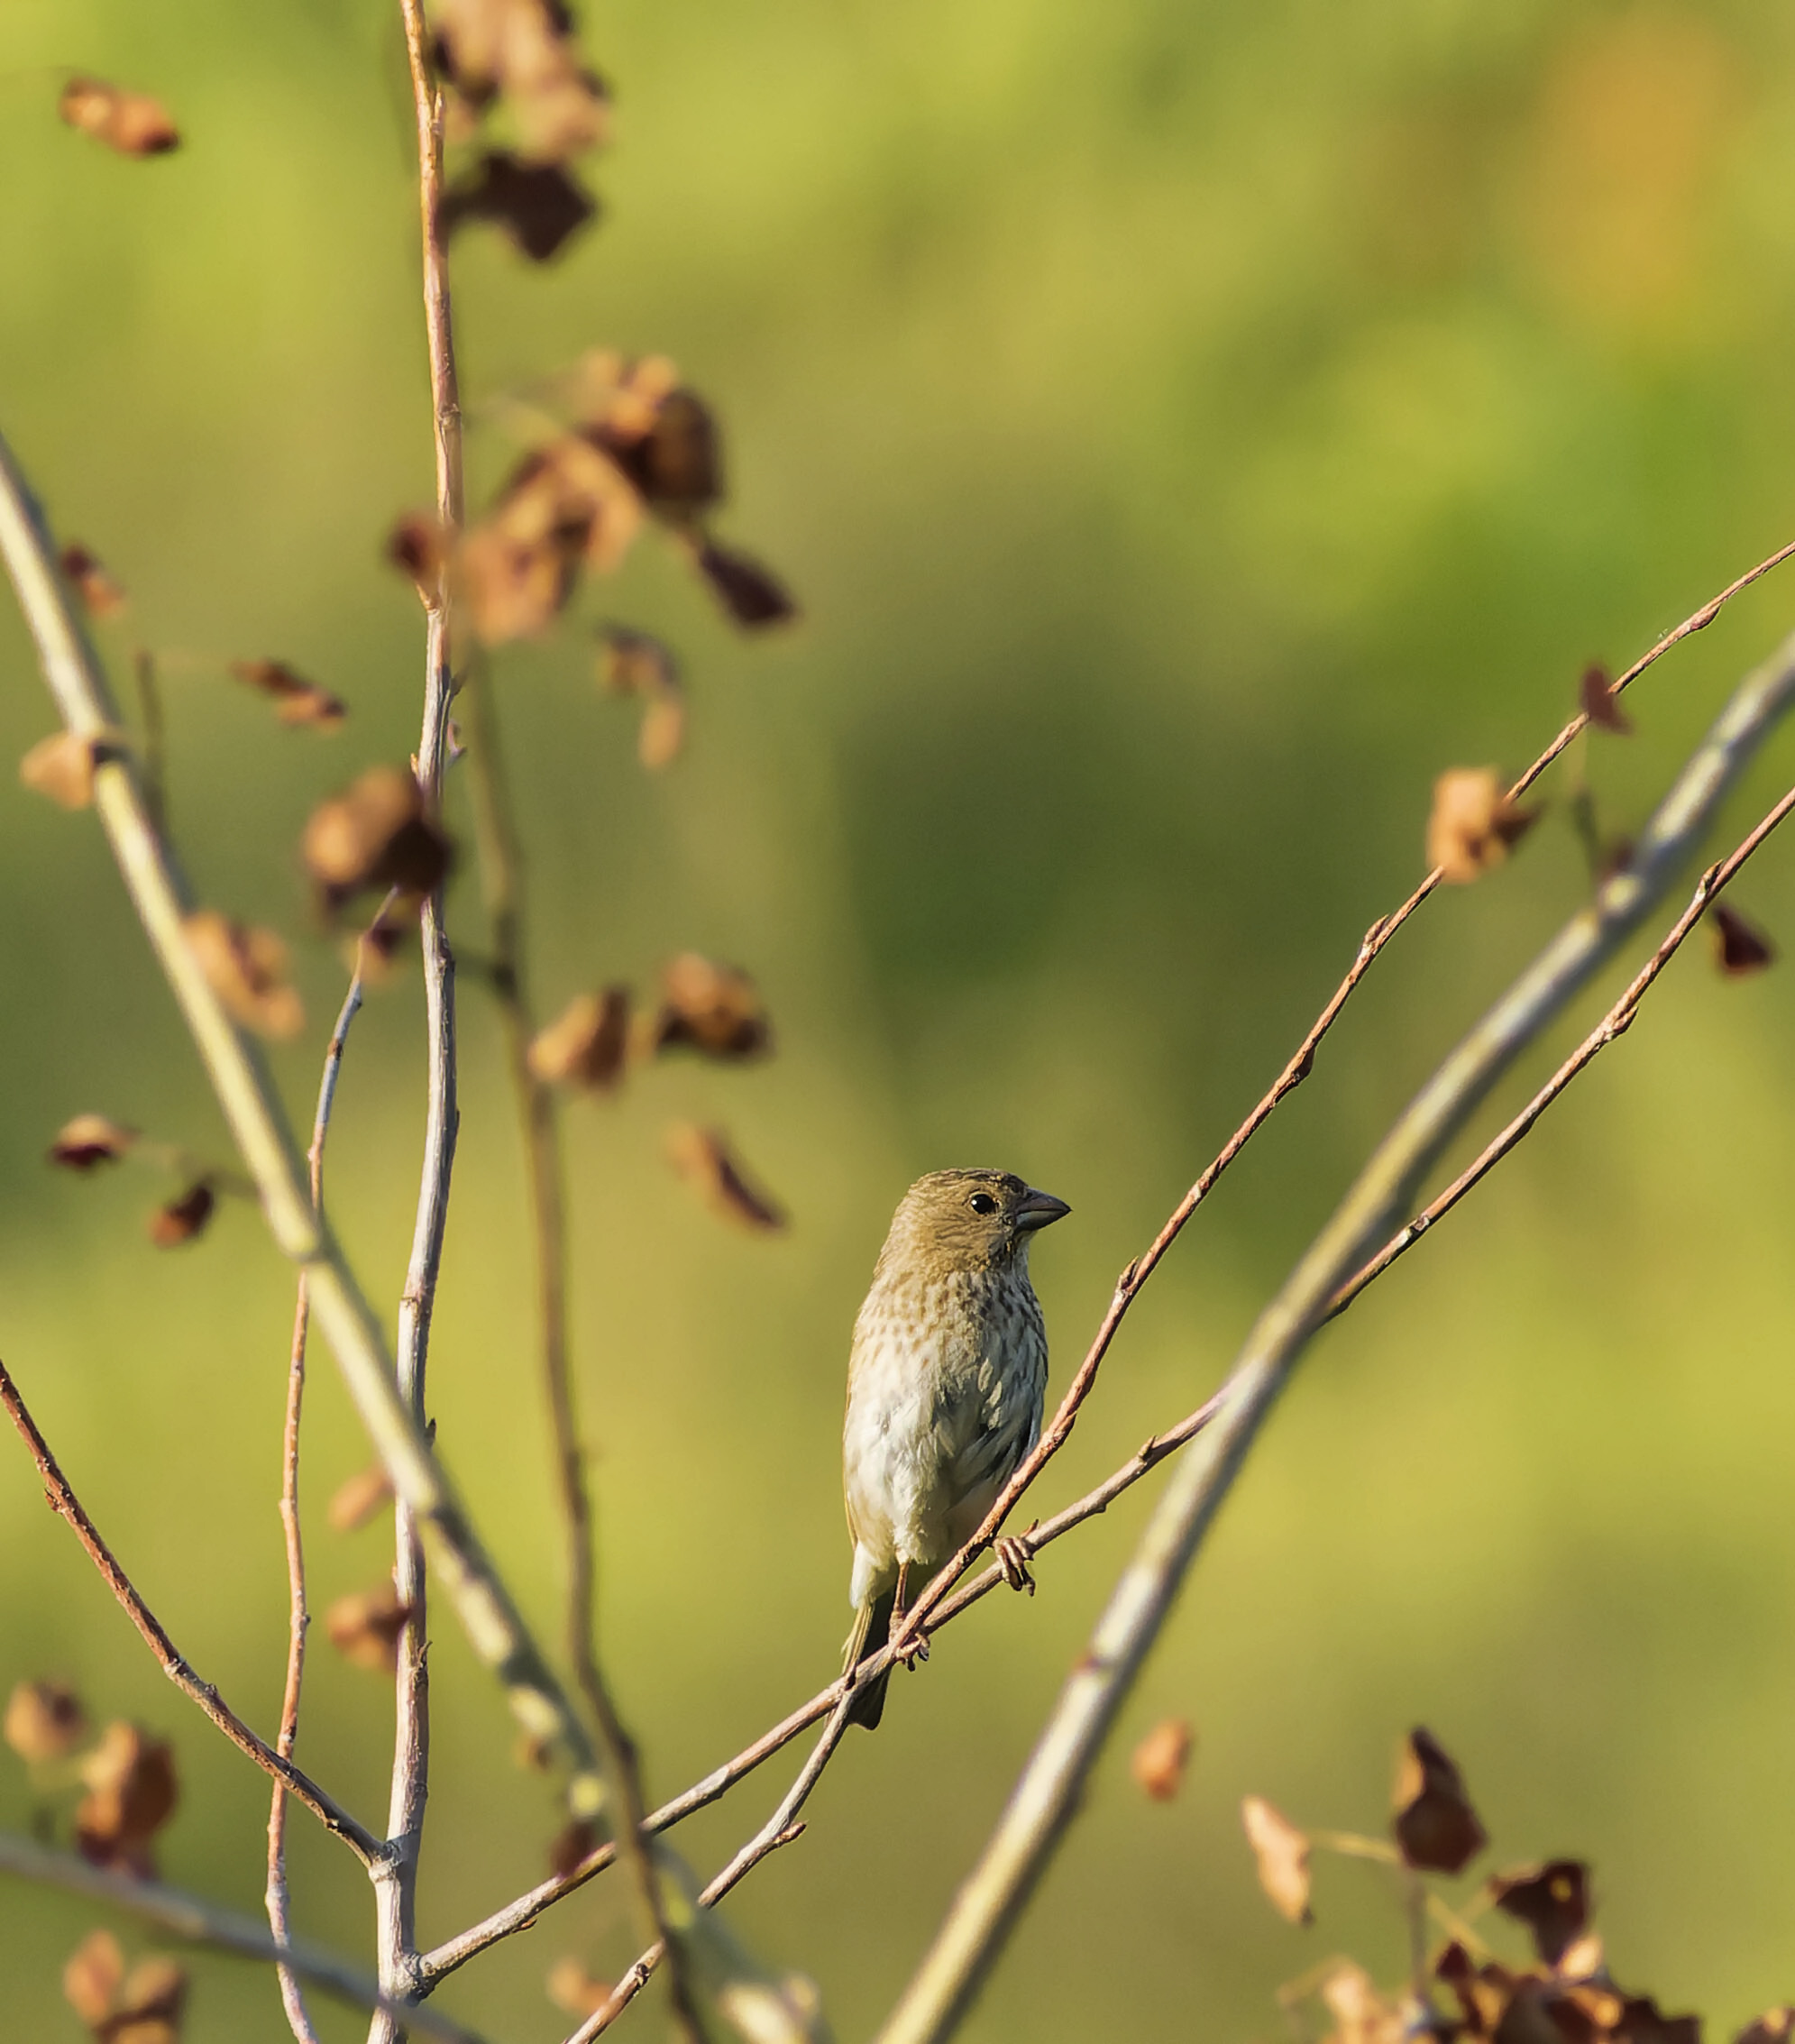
<point x="298" y="1619"/>
<point x="780" y="1829"/>
<point x="1301" y="1063"/>
<point x="61" y="1500"/>
<point x="979" y="1921"/>
<point x="948" y="1603"/>
<point x="1615" y="1023"/>
<point x="240" y="1080"/>
<point x="502" y="873"/>
<point x="178" y="1914"/>
<point x="396" y="1892"/>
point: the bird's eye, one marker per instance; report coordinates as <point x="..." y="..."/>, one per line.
<point x="982" y="1203"/>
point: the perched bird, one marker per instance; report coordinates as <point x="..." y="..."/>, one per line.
<point x="945" y="1386"/>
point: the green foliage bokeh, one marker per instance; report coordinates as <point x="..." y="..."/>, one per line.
<point x="1189" y="428"/>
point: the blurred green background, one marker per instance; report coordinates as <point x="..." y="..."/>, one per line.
<point x="1189" y="425"/>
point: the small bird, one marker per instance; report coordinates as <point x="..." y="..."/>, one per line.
<point x="944" y="1387"/>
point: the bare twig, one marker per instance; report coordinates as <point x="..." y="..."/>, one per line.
<point x="1301" y="1063"/>
<point x="502" y="874"/>
<point x="252" y="1107"/>
<point x="982" y="1914"/>
<point x="396" y="1892"/>
<point x="1615" y="1023"/>
<point x="181" y="1915"/>
<point x="61" y="1500"/>
<point x="298" y="1619"/>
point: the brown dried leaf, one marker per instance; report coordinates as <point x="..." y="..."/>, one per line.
<point x="662" y="738"/>
<point x="1641" y="2022"/>
<point x="132" y="123"/>
<point x="715" y="1010"/>
<point x="358" y="1498"/>
<point x="1361" y="2015"/>
<point x="93" y="1977"/>
<point x="573" y="1989"/>
<point x="132" y="1793"/>
<point x="297" y="701"/>
<point x="1774" y="2026"/>
<point x="752" y="595"/>
<point x="1743" y="947"/>
<point x="183" y="1217"/>
<point x="1552" y="1899"/>
<point x="571" y="1846"/>
<point x="420" y="546"/>
<point x="365" y="1625"/>
<point x="89" y="1140"/>
<point x="1472" y="824"/>
<point x="246" y="968"/>
<point x="703" y="1158"/>
<point x="587" y="1044"/>
<point x="1282" y="1853"/>
<point x="150" y="2005"/>
<point x="565" y="504"/>
<point x="1434" y="1825"/>
<point x="1158" y="1763"/>
<point x="1599" y="705"/>
<point x="632" y="664"/>
<point x="100" y="595"/>
<point x="61" y="766"/>
<point x="1582" y="1959"/>
<point x="524" y="51"/>
<point x="538" y="206"/>
<point x="375" y="834"/>
<point x="664" y="440"/>
<point x="43" y="1722"/>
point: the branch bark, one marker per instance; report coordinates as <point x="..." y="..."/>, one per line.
<point x="982" y="1914"/>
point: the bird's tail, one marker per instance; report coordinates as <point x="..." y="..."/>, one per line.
<point x="871" y="1629"/>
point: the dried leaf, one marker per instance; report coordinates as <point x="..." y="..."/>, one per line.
<point x="571" y="1846"/>
<point x="1641" y="2022"/>
<point x="1158" y="1763"/>
<point x="662" y="738"/>
<point x="1436" y="1827"/>
<point x="132" y="123"/>
<point x="149" y="2004"/>
<point x="1774" y="2026"/>
<point x="297" y="701"/>
<point x="586" y="1046"/>
<point x="366" y="1627"/>
<point x="43" y="1722"/>
<point x="1361" y="2015"/>
<point x="1472" y="824"/>
<point x="183" y="1217"/>
<point x="666" y="443"/>
<point x="566" y="504"/>
<point x="524" y="51"/>
<point x="132" y="1793"/>
<point x="633" y="663"/>
<point x="61" y="766"/>
<point x="712" y="1009"/>
<point x="420" y="546"/>
<point x="93" y="1977"/>
<point x="538" y="206"/>
<point x="1552" y="1899"/>
<point x="358" y="1498"/>
<point x="1282" y="1853"/>
<point x="573" y="1989"/>
<point x="1599" y="705"/>
<point x="704" y="1158"/>
<point x="375" y="834"/>
<point x="100" y="595"/>
<point x="246" y="968"/>
<point x="90" y="1140"/>
<point x="1582" y="1959"/>
<point x="1742" y="948"/>
<point x="752" y="595"/>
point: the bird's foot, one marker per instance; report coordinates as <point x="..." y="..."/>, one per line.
<point x="1013" y="1558"/>
<point x="913" y="1650"/>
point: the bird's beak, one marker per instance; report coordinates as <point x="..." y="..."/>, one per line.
<point x="1038" y="1209"/>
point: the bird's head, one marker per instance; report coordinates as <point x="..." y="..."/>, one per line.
<point x="971" y="1220"/>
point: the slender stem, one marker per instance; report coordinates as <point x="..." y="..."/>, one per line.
<point x="1614" y="1024"/>
<point x="178" y="1914"/>
<point x="61" y="1500"/>
<point x="395" y="1890"/>
<point x="982" y="1914"/>
<point x="502" y="874"/>
<point x="298" y="1619"/>
<point x="1298" y="1068"/>
<point x="246" y="1095"/>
